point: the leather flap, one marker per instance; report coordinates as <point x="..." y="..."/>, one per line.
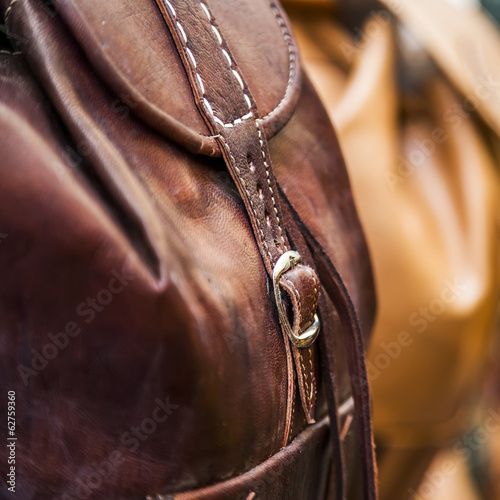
<point x="131" y="48"/>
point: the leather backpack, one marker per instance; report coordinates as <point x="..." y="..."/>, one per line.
<point x="185" y="287"/>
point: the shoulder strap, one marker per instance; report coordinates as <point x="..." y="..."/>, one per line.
<point x="352" y="337"/>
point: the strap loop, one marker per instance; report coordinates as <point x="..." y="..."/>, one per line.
<point x="303" y="338"/>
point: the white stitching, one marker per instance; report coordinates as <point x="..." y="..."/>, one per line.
<point x="226" y="55"/>
<point x="290" y="433"/>
<point x="309" y="384"/>
<point x="198" y="76"/>
<point x="237" y="121"/>
<point x="313" y="378"/>
<point x="183" y="33"/>
<point x="240" y="81"/>
<point x="291" y="57"/>
<point x="208" y="106"/>
<point x="235" y="73"/>
<point x="193" y="60"/>
<point x="304" y="371"/>
<point x="171" y="7"/>
<point x="243" y="183"/>
<point x="316" y="292"/>
<point x="217" y="34"/>
<point x="10" y="53"/>
<point x="200" y="81"/>
<point x="269" y="185"/>
<point x="204" y="7"/>
<point x="305" y="380"/>
<point x="8" y="10"/>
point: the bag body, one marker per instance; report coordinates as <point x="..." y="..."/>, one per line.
<point x="139" y="327"/>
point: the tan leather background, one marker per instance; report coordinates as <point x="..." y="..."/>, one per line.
<point x="425" y="184"/>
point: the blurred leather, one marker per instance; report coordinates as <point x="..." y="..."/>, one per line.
<point x="118" y="233"/>
<point x="425" y="185"/>
<point x="465" y="44"/>
<point x="448" y="477"/>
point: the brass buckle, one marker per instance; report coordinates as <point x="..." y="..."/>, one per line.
<point x="288" y="261"/>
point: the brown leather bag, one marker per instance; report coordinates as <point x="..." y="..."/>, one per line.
<point x="185" y="287"/>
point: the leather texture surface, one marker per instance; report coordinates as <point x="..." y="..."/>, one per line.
<point x="266" y="480"/>
<point x="138" y="322"/>
<point x="132" y="52"/>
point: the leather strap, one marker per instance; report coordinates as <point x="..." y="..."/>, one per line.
<point x="335" y="288"/>
<point x="229" y="109"/>
<point x="337" y="480"/>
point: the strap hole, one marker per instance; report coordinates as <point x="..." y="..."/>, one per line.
<point x="259" y="192"/>
<point x="250" y="162"/>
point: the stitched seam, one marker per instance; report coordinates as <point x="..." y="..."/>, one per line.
<point x="235" y="73"/>
<point x="305" y="378"/>
<point x="8" y="10"/>
<point x="275" y="208"/>
<point x="296" y="292"/>
<point x="243" y="183"/>
<point x="209" y="109"/>
<point x="10" y="53"/>
<point x="194" y="64"/>
<point x="304" y="371"/>
<point x="313" y="378"/>
<point x="316" y="292"/>
<point x="291" y="56"/>
<point x="313" y="309"/>
<point x="290" y="435"/>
